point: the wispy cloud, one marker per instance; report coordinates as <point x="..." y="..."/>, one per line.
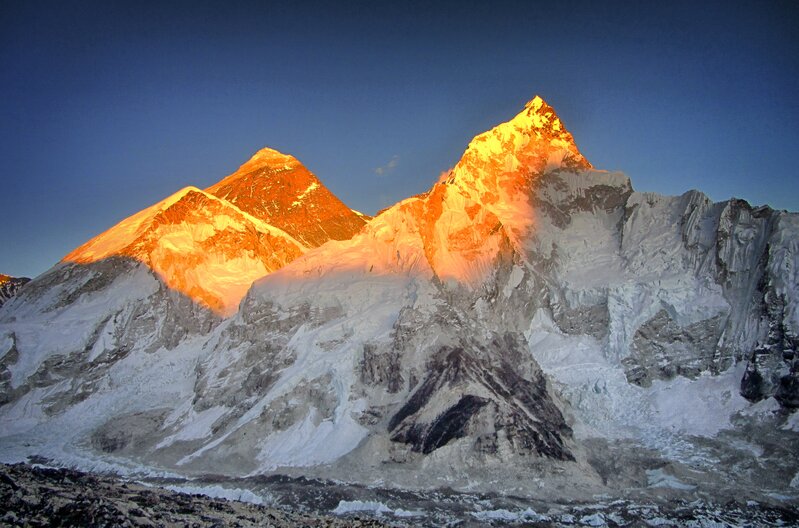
<point x="388" y="167"/>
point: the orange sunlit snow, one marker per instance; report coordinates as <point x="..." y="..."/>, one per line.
<point x="199" y="245"/>
<point x="211" y="245"/>
<point x="476" y="213"/>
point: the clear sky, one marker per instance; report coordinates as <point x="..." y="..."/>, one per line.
<point x="109" y="107"/>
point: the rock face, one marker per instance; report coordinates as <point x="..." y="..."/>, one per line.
<point x="279" y="190"/>
<point x="524" y="310"/>
<point x="9" y="286"/>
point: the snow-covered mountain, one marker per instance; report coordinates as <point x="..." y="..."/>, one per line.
<point x="528" y="319"/>
<point x="197" y="244"/>
<point x="162" y="277"/>
<point x="9" y="286"/>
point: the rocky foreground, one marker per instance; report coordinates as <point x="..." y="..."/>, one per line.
<point x="38" y="496"/>
<point x="41" y="496"/>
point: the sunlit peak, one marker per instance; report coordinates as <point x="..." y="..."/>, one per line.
<point x="535" y="103"/>
<point x="268" y="157"/>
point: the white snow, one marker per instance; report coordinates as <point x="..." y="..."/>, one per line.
<point x="660" y="521"/>
<point x="309" y="444"/>
<point x="345" y="507"/>
<point x="792" y="423"/>
<point x="43" y="333"/>
<point x="528" y="515"/>
<point x="311" y="188"/>
<point x="595" y="519"/>
<point x="763" y="408"/>
<point x="516" y="276"/>
<point x="703" y="406"/>
<point x="219" y="492"/>
<point x="198" y="426"/>
<point x="607" y="405"/>
<point x="377" y="508"/>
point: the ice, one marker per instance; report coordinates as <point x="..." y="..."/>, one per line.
<point x="792" y="423"/>
<point x="703" y="406"/>
<point x="219" y="492"/>
<point x="657" y="478"/>
<point x="660" y="521"/>
<point x="528" y="515"/>
<point x="345" y="507"/>
<point x="199" y="426"/>
<point x="595" y="519"/>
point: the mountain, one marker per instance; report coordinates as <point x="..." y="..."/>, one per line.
<point x="211" y="245"/>
<point x="199" y="245"/>
<point x="279" y="190"/>
<point x="9" y="286"/>
<point x="164" y="276"/>
<point x="528" y="321"/>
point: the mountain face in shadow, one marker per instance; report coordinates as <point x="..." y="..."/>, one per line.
<point x="10" y="285"/>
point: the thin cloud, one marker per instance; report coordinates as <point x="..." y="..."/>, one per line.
<point x="388" y="167"/>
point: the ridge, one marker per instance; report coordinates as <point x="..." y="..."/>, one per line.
<point x="279" y="190"/>
<point x="199" y="244"/>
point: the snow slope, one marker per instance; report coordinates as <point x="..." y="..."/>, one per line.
<point x="198" y="245"/>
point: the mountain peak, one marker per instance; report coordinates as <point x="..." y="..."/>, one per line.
<point x="535" y="103"/>
<point x="199" y="245"/>
<point x="277" y="189"/>
<point x="533" y="141"/>
<point x="541" y="119"/>
<point x="268" y="157"/>
<point x="540" y="115"/>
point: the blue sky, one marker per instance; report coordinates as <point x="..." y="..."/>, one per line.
<point x="109" y="107"/>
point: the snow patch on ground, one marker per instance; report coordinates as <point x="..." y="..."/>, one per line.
<point x="308" y="443"/>
<point x="375" y="508"/>
<point x="595" y="519"/>
<point x="219" y="492"/>
<point x="528" y="515"/>
<point x="199" y="426"/>
<point x="792" y="423"/>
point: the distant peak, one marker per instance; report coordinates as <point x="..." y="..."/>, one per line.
<point x="268" y="157"/>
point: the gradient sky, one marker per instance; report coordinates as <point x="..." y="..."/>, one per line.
<point x="109" y="107"/>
